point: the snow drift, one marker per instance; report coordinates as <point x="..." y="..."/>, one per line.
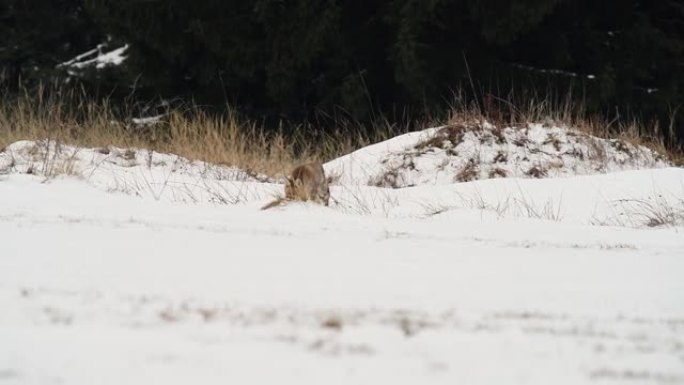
<point x="130" y="266"/>
<point x="466" y="152"/>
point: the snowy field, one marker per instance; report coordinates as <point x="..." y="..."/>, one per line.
<point x="133" y="267"/>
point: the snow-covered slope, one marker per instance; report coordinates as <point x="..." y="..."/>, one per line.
<point x="141" y="268"/>
<point x="465" y="152"/>
<point x="138" y="172"/>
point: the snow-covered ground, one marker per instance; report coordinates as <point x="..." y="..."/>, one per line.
<point x="133" y="267"/>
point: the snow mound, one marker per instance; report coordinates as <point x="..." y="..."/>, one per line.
<point x="465" y="152"/>
<point x="132" y="171"/>
<point x="634" y="198"/>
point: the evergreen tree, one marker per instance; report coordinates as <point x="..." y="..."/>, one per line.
<point x="35" y="36"/>
<point x="292" y="58"/>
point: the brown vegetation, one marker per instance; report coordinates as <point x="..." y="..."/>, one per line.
<point x="228" y="139"/>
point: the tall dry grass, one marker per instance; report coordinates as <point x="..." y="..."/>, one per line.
<point x="228" y="139"/>
<point x="190" y="132"/>
<point x="565" y="111"/>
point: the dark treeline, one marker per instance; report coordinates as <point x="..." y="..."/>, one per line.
<point x="292" y="59"/>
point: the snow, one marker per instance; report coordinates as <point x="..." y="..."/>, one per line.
<point x="138" y="172"/>
<point x="131" y="266"/>
<point x="146" y="121"/>
<point x="464" y="152"/>
<point x="553" y="71"/>
<point x="97" y="58"/>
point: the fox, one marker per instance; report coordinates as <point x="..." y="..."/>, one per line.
<point x="307" y="182"/>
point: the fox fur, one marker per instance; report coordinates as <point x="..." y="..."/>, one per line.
<point x="306" y="182"/>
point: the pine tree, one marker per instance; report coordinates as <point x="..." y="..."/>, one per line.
<point x="35" y="36"/>
<point x="294" y="58"/>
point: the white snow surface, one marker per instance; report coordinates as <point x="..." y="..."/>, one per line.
<point x="133" y="267"/>
<point x="465" y="152"/>
<point x="132" y="171"/>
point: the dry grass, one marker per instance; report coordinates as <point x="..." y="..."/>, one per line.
<point x="659" y="210"/>
<point x="536" y="171"/>
<point x="332" y="322"/>
<point x="228" y="139"/>
<point x="516" y="205"/>
<point x="497" y="173"/>
<point x="469" y="172"/>
<point x="220" y="139"/>
<point x="564" y="111"/>
<point x="448" y="136"/>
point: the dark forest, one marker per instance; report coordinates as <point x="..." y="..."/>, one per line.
<point x="292" y="60"/>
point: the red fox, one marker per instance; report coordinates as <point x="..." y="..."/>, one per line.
<point x="307" y="182"/>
